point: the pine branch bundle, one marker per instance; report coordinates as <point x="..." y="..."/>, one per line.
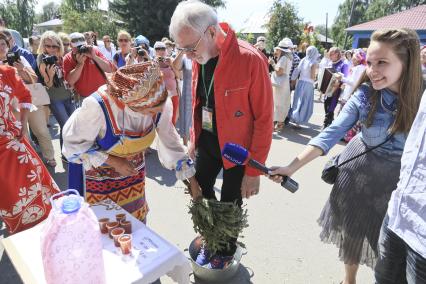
<point x="218" y="222"/>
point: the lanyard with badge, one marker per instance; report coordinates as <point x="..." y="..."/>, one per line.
<point x="207" y="116"/>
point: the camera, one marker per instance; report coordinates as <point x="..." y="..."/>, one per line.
<point x="84" y="49"/>
<point x="140" y="51"/>
<point x="12" y="57"/>
<point x="50" y="59"/>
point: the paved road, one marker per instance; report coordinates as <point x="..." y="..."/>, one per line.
<point x="282" y="240"/>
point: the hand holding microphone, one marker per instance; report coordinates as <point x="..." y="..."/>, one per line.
<point x="240" y="156"/>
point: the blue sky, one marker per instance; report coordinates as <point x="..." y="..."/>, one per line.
<point x="237" y="11"/>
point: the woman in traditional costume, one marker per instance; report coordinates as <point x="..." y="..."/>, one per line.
<point x="26" y="185"/>
<point x="106" y="138"/>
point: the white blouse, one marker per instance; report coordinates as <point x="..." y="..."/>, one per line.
<point x="350" y="81"/>
<point x="88" y="123"/>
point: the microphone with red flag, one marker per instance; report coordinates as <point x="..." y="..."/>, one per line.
<point x="239" y="155"/>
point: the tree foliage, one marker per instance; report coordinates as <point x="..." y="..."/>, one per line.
<point x="19" y="15"/>
<point x="81" y="5"/>
<point x="49" y="11"/>
<point x="366" y="10"/>
<point x="98" y="21"/>
<point x="150" y="18"/>
<point x="341" y="21"/>
<point x="283" y="22"/>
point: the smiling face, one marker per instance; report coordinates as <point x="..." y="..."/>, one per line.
<point x="384" y="68"/>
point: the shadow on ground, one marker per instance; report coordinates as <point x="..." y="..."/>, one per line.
<point x="243" y="275"/>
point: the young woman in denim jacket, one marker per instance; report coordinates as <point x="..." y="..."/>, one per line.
<point x="386" y="102"/>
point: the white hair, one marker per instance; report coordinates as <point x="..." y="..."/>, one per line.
<point x="193" y="14"/>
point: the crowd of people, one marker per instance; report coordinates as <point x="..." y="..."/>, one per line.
<point x="110" y="101"/>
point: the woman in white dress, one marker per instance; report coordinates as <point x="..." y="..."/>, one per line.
<point x="281" y="83"/>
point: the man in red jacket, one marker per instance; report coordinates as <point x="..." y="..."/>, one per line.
<point x="232" y="102"/>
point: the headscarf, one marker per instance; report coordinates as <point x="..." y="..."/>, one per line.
<point x="310" y="59"/>
<point x="138" y="85"/>
<point x="360" y="55"/>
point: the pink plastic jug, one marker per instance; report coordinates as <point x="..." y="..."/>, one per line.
<point x="71" y="245"/>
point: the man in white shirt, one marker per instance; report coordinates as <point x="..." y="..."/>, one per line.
<point x="108" y="49"/>
<point x="402" y="243"/>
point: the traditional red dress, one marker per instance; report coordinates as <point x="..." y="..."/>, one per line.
<point x="25" y="183"/>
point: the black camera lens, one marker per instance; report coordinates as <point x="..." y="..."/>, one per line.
<point x="50" y="60"/>
<point x="83" y="49"/>
<point x="12" y="57"/>
<point x="141" y="52"/>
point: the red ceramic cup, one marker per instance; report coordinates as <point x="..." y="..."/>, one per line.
<point x="110" y="226"/>
<point x="127" y="226"/>
<point x="125" y="242"/>
<point x="120" y="217"/>
<point x="102" y="225"/>
<point x="116" y="233"/>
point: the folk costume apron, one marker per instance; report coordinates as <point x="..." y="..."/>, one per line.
<point x="104" y="182"/>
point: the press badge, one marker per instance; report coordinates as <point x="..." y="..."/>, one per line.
<point x="207" y="119"/>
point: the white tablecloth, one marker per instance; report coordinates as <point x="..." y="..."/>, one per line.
<point x="152" y="257"/>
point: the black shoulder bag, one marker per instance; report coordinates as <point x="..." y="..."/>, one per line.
<point x="331" y="169"/>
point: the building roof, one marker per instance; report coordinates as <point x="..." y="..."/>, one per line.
<point x="414" y="18"/>
<point x="51" y="23"/>
<point x="321" y="38"/>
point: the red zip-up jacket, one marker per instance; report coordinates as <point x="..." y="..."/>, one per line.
<point x="243" y="99"/>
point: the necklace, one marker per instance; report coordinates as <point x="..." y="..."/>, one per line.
<point x="388" y="108"/>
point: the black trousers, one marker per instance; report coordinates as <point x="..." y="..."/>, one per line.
<point x="398" y="263"/>
<point x="208" y="165"/>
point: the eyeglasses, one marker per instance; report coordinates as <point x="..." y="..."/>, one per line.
<point x="74" y="40"/>
<point x="107" y="40"/>
<point x="192" y="49"/>
<point x="50" y="46"/>
<point x="123" y="40"/>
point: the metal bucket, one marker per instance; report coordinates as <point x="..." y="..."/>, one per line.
<point x="213" y="275"/>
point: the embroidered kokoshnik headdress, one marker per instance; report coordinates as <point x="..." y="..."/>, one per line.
<point x="139" y="85"/>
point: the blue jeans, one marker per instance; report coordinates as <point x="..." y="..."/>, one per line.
<point x="62" y="110"/>
<point x="398" y="263"/>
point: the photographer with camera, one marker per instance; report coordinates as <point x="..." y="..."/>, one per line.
<point x="13" y="47"/>
<point x="50" y="65"/>
<point x="36" y="118"/>
<point x="85" y="66"/>
<point x="137" y="55"/>
<point x="169" y="75"/>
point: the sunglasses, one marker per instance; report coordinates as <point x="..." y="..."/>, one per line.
<point x="123" y="40"/>
<point x="50" y="46"/>
<point x="66" y="43"/>
<point x="160" y="48"/>
<point x="74" y="40"/>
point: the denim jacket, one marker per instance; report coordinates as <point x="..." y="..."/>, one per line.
<point x="357" y="108"/>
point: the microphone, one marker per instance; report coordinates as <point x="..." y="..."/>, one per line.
<point x="239" y="155"/>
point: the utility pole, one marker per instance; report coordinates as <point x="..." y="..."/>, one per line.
<point x="349" y="23"/>
<point x="326" y="27"/>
